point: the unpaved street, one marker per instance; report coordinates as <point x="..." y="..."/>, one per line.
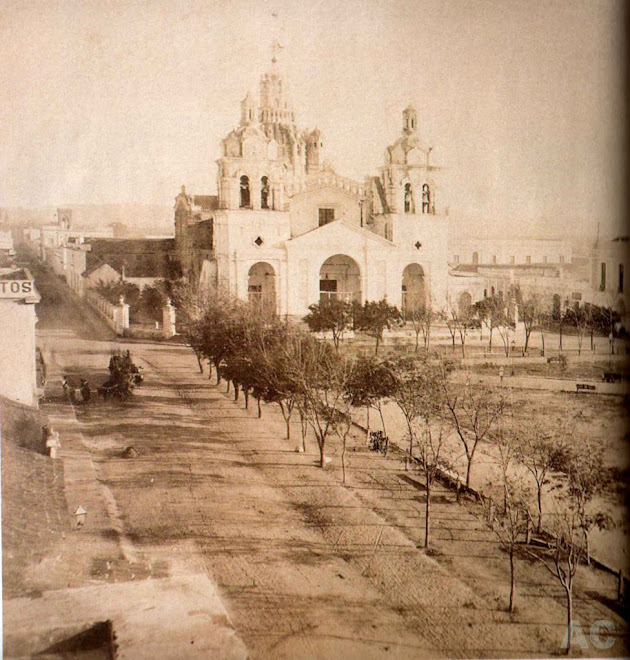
<point x="305" y="566"/>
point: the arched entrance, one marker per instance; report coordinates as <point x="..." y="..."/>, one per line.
<point x="340" y="279"/>
<point x="464" y="303"/>
<point x="261" y="286"/>
<point x="413" y="289"/>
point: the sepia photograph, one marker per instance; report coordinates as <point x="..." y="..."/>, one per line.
<point x="314" y="329"/>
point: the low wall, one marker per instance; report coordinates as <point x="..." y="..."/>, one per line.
<point x="116" y="316"/>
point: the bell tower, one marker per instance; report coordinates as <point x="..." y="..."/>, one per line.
<point x="410" y="120"/>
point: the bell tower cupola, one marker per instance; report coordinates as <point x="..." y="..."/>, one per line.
<point x="410" y="120"/>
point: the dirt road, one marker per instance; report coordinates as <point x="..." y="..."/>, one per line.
<point x="305" y="566"/>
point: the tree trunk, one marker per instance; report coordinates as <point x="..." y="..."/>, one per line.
<point x="246" y="393"/>
<point x="367" y="423"/>
<point x="427" y="520"/>
<point x="490" y="342"/>
<point x="259" y="408"/>
<point x="417" y="342"/>
<point x="468" y="466"/>
<point x="592" y="340"/>
<point x="304" y="429"/>
<point x="561" y="338"/>
<point x="569" y="618"/>
<point x="527" y="334"/>
<point x="587" y="547"/>
<point x="236" y="390"/>
<point x="218" y="369"/>
<point x="512" y="578"/>
<point x="227" y="383"/>
<point x="539" y="496"/>
<point x="343" y="458"/>
<point x="542" y="339"/>
<point x="380" y="412"/>
<point x="320" y="442"/>
<point x="377" y="343"/>
<point x="199" y="362"/>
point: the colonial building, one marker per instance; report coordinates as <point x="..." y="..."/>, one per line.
<point x="286" y="230"/>
<point x="18" y="297"/>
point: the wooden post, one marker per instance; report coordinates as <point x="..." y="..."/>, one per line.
<point x="491" y="512"/>
<point x="458" y="487"/>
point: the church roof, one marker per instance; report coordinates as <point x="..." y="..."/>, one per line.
<point x="206" y="202"/>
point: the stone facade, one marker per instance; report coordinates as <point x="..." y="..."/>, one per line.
<point x="287" y="230"/>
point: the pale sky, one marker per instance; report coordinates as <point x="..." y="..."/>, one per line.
<point x="124" y="101"/>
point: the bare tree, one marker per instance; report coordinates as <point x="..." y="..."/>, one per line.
<point x="474" y="412"/>
<point x="430" y="431"/>
<point x="512" y="515"/>
<point x="411" y="389"/>
<point x="583" y="464"/>
<point x="451" y="318"/>
<point x="421" y="319"/>
<point x="320" y="376"/>
<point x="563" y="558"/>
<point x="540" y="448"/>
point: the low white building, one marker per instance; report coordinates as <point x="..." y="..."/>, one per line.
<point x="18" y="371"/>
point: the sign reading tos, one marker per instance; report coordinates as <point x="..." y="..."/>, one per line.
<point x="16" y="288"/>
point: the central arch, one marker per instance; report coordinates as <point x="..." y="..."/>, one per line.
<point x="261" y="286"/>
<point x="413" y="289"/>
<point x="340" y="279"/>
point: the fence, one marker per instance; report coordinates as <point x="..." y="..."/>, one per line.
<point x="117" y="316"/>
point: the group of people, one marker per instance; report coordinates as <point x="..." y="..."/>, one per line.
<point x="123" y="376"/>
<point x="81" y="395"/>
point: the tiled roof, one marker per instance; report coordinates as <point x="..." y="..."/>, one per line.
<point x="139" y="257"/>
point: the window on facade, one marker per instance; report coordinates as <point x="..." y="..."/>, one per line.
<point x="602" y="277"/>
<point x="408" y="199"/>
<point x="475" y="257"/>
<point x="620" y="285"/>
<point x="244" y="204"/>
<point x="561" y="258"/>
<point x="264" y="193"/>
<point x="492" y="291"/>
<point x="426" y="198"/>
<point x="512" y="259"/>
<point x="528" y="259"/>
<point x="456" y="258"/>
<point x="545" y="259"/>
<point x="494" y="258"/>
<point x="326" y="216"/>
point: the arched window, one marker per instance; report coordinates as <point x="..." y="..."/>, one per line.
<point x="264" y="193"/>
<point x="244" y="192"/>
<point x="408" y="199"/>
<point x="475" y="257"/>
<point x="426" y="198"/>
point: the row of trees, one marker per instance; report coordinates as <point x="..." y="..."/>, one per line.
<point x="277" y="362"/>
<point x="496" y="313"/>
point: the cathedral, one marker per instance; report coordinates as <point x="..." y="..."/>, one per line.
<point x="285" y="230"/>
